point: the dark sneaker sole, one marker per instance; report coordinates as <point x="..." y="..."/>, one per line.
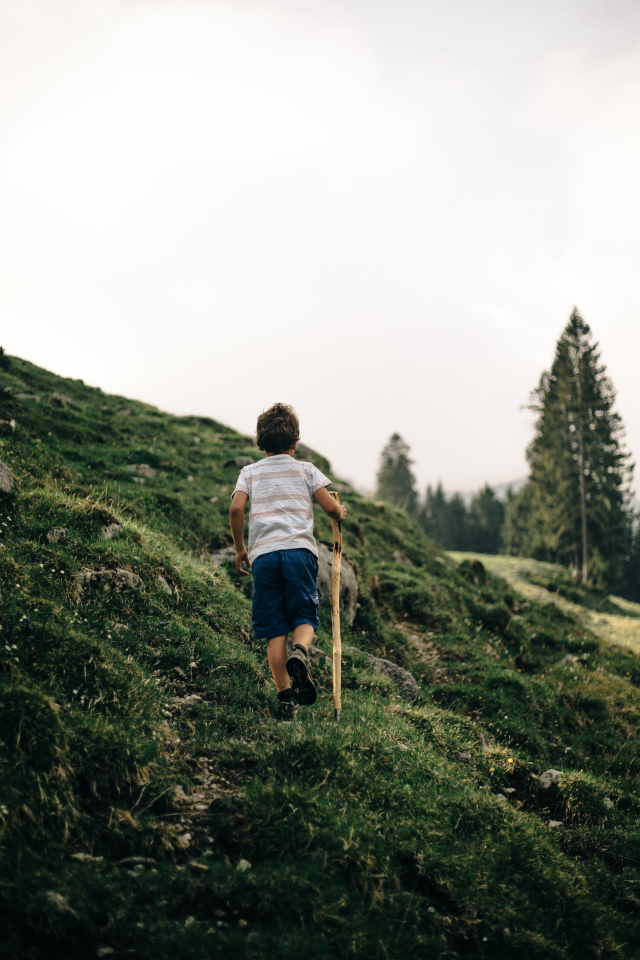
<point x="301" y="681"/>
<point x="287" y="711"/>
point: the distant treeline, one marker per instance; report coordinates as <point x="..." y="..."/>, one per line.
<point x="575" y="508"/>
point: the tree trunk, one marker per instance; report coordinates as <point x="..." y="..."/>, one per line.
<point x="583" y="499"/>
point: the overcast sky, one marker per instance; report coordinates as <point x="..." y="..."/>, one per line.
<point x="381" y="211"/>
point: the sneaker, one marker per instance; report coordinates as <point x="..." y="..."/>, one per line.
<point x="298" y="670"/>
<point x="287" y="709"/>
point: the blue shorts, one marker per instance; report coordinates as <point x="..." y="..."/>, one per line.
<point x="285" y="592"/>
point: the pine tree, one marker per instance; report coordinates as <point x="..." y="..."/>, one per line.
<point x="395" y="480"/>
<point x="576" y="499"/>
<point x="485" y="521"/>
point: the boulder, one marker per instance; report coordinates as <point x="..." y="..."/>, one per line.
<point x="60" y="400"/>
<point x="111" y="530"/>
<point x="348" y="583"/>
<point x="238" y="462"/>
<point x="226" y="555"/>
<point x="7" y="482"/>
<point x="141" y="470"/>
<point x="111" y="580"/>
<point x="550" y="778"/>
<point x="406" y="683"/>
<point x="56" y="534"/>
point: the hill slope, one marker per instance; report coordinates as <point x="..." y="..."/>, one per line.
<point x="150" y="803"/>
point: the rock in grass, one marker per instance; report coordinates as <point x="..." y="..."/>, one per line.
<point x="56" y="534"/>
<point x="225" y="555"/>
<point x="111" y="530"/>
<point x="243" y="866"/>
<point x="59" y="400"/>
<point x="86" y="858"/>
<point x="7" y="482"/>
<point x="348" y="583"/>
<point x="141" y="470"/>
<point x="29" y="396"/>
<point x="238" y="462"/>
<point x="58" y="901"/>
<point x="406" y="683"/>
<point x="7" y="426"/>
<point x="164" y="586"/>
<point x="554" y="824"/>
<point x="550" y="778"/>
<point x="111" y="580"/>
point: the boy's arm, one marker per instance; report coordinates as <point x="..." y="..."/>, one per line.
<point x="337" y="511"/>
<point x="236" y="517"/>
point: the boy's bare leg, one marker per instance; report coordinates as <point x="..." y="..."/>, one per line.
<point x="303" y="634"/>
<point x="277" y="656"/>
<point x="277" y="653"/>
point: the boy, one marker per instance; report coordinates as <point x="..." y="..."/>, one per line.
<point x="282" y="551"/>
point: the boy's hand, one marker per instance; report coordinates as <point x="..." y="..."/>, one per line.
<point x="242" y="557"/>
<point x="343" y="510"/>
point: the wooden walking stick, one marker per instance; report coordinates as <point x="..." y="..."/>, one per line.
<point x="335" y="613"/>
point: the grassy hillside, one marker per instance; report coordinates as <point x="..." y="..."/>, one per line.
<point x="150" y="803"/>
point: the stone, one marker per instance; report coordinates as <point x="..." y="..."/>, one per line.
<point x="197" y="867"/>
<point x="7" y="482"/>
<point x="58" y="901"/>
<point x="465" y="755"/>
<point x="56" y="534"/>
<point x="111" y="531"/>
<point x="139" y="480"/>
<point x="111" y="580"/>
<point x="238" y="462"/>
<point x="501" y="797"/>
<point x="124" y="413"/>
<point x="243" y="866"/>
<point x="104" y="951"/>
<point x="553" y="824"/>
<point x="164" y="586"/>
<point x="348" y="583"/>
<point x="608" y="803"/>
<point x="406" y="683"/>
<point x="550" y="778"/>
<point x="29" y="396"/>
<point x="141" y="470"/>
<point x="225" y="555"/>
<point x="510" y="790"/>
<point x="86" y="858"/>
<point x="60" y="400"/>
<point x="7" y="426"/>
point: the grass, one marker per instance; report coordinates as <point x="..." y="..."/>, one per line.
<point x="152" y="805"/>
<point x="613" y="619"/>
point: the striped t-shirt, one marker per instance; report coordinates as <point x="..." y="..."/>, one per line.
<point x="280" y="491"/>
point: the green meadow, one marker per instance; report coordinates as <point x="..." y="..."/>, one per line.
<point x="151" y="805"/>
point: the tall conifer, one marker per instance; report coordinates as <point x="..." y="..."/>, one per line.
<point x="395" y="480"/>
<point x="579" y="469"/>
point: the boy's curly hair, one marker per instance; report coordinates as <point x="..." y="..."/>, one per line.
<point x="278" y="428"/>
